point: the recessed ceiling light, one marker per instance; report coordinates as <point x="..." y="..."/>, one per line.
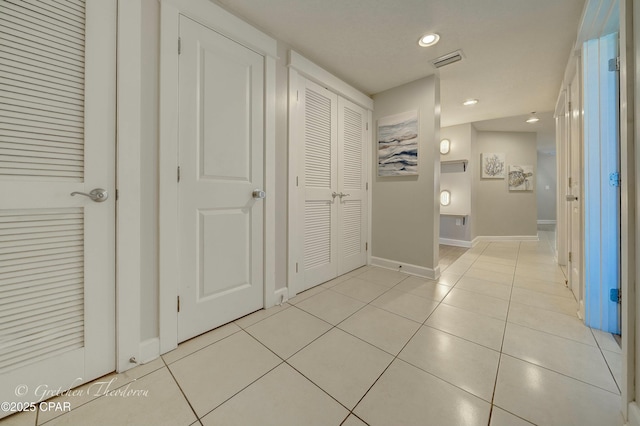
<point x="533" y="118"/>
<point x="428" y="39"/>
<point x="470" y="102"/>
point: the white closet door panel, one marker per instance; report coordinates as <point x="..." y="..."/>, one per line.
<point x="318" y="215"/>
<point x="352" y="207"/>
<point x="29" y="288"/>
<point x="57" y="136"/>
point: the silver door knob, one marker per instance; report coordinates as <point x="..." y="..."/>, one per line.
<point x="259" y="194"/>
<point x="344" y="195"/>
<point x="334" y="195"/>
<point x="98" y="195"/>
<point x="572" y="198"/>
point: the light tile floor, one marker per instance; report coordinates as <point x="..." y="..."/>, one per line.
<point x="494" y="342"/>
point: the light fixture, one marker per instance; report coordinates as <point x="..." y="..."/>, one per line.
<point x="445" y="197"/>
<point x="445" y="146"/>
<point x="470" y="102"/>
<point x="533" y="118"/>
<point x="428" y="39"/>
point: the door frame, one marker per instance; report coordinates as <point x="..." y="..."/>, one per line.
<point x="299" y="66"/>
<point x="223" y="22"/>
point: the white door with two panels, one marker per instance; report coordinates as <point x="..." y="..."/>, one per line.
<point x="57" y="235"/>
<point x="331" y="212"/>
<point x="221" y="178"/>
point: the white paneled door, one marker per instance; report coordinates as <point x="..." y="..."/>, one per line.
<point x="332" y="206"/>
<point x="57" y="250"/>
<point x="221" y="151"/>
<point x="575" y="197"/>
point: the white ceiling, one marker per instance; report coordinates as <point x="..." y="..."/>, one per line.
<point x="515" y="50"/>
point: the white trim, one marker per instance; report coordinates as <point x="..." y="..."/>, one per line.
<point x="281" y="295"/>
<point x="293" y="277"/>
<point x="407" y="268"/>
<point x="456" y="243"/>
<point x="317" y="74"/>
<point x="149" y="350"/>
<point x="213" y="16"/>
<point x="546" y="222"/>
<point x="128" y="212"/>
<point x="223" y="22"/>
<point x="634" y="414"/>
<point x="497" y="238"/>
<point x="269" y="243"/>
<point x="371" y="179"/>
<point x="168" y="193"/>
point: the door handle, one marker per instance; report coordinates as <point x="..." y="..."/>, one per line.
<point x="344" y="195"/>
<point x="572" y="198"/>
<point x="259" y="194"/>
<point x="334" y="195"/>
<point x="98" y="195"/>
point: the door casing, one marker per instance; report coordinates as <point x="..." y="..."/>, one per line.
<point x="219" y="20"/>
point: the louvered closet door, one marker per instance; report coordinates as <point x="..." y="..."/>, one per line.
<point x="57" y="136"/>
<point x="352" y="202"/>
<point x="318" y="214"/>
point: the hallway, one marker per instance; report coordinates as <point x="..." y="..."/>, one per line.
<point x="495" y="341"/>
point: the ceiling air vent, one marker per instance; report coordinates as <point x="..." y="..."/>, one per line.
<point x="447" y="59"/>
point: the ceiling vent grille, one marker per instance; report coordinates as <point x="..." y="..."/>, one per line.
<point x="447" y="59"/>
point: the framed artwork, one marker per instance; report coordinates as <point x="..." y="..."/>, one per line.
<point x="398" y="144"/>
<point x="493" y="165"/>
<point x="520" y="178"/>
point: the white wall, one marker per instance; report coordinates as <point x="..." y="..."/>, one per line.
<point x="546" y="186"/>
<point x="405" y="209"/>
<point x="502" y="212"/>
<point x="458" y="182"/>
<point x="150" y="29"/>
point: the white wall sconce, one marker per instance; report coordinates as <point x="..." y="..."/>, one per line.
<point x="445" y="197"/>
<point x="445" y="146"/>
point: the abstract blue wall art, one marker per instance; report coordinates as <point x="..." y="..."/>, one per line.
<point x="398" y="144"/>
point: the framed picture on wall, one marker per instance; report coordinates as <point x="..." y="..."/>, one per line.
<point x="398" y="144"/>
<point x="493" y="165"/>
<point x="520" y="178"/>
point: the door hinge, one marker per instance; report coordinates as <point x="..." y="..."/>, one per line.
<point x="569" y="256"/>
<point x="296" y="267"/>
<point x="569" y="182"/>
<point x="179" y="45"/>
<point x="366" y="186"/>
<point x="614" y="64"/>
<point x="569" y="107"/>
<point x="614" y="179"/>
<point x="297" y="96"/>
<point x="117" y="195"/>
<point x="178" y="173"/>
<point x="366" y="246"/>
<point x="367" y="126"/>
<point x="297" y="181"/>
<point x="178" y="303"/>
<point x="615" y="295"/>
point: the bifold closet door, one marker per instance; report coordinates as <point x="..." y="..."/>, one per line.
<point x="318" y="214"/>
<point x="352" y="198"/>
<point x="332" y="210"/>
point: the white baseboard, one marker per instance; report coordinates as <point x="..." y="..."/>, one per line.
<point x="149" y="350"/>
<point x="407" y="268"/>
<point x="546" y="222"/>
<point x="281" y="295"/>
<point x="497" y="238"/>
<point x="633" y="414"/>
<point x="456" y="243"/>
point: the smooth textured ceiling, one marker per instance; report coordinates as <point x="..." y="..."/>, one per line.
<point x="515" y="50"/>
